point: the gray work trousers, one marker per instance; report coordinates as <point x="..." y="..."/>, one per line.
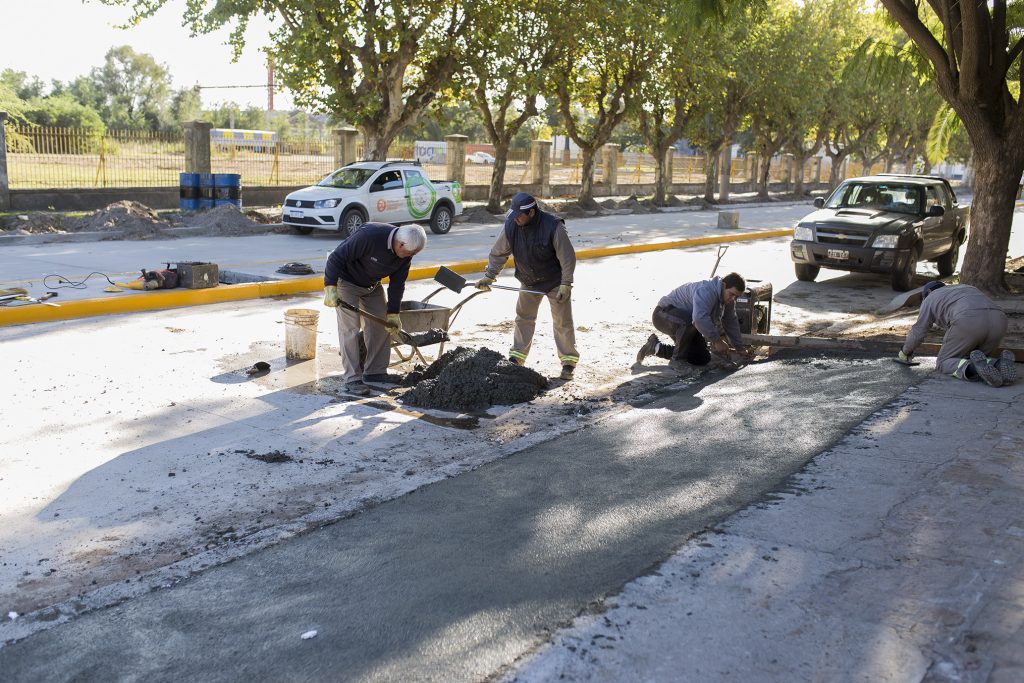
<point x="562" y="325"/>
<point x="982" y="329"/>
<point x="690" y="344"/>
<point x="375" y="336"/>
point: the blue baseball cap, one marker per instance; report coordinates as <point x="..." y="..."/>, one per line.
<point x="521" y="203"/>
<point x="931" y="286"/>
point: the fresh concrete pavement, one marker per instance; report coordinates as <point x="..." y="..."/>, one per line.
<point x="899" y="544"/>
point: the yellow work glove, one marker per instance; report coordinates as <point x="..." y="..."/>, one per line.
<point x="331" y="296"/>
<point x="484" y="283"/>
<point x="904" y="358"/>
<point x="394" y="324"/>
<point x="564" y="291"/>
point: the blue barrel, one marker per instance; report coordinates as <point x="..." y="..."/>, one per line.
<point x="206" y="191"/>
<point x="188" y="191"/>
<point x="227" y="189"/>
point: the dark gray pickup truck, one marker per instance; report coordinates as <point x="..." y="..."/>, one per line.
<point x="882" y="224"/>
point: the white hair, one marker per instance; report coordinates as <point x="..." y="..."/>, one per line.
<point x="412" y="236"/>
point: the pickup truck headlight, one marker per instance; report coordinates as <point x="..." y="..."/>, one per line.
<point x="325" y="203"/>
<point x="885" y="241"/>
<point x="803" y="234"/>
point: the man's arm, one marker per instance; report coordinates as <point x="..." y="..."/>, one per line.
<point x="498" y="257"/>
<point x="732" y="326"/>
<point x="704" y="301"/>
<point x="349" y="250"/>
<point x="925" y="318"/>
<point x="396" y="287"/>
<point x="565" y="252"/>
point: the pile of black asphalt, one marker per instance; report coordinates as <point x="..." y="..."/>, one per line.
<point x="469" y="380"/>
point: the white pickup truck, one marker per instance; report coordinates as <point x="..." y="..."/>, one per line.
<point x="378" y="191"/>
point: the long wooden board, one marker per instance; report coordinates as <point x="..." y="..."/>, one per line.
<point x="833" y="344"/>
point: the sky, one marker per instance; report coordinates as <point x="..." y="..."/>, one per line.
<point x="64" y="39"/>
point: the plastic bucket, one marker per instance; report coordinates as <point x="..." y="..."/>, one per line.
<point x="300" y="326"/>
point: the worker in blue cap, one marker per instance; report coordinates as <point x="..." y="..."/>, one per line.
<point x="545" y="262"/>
<point x="974" y="329"/>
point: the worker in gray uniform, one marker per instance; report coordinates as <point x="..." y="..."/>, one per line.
<point x="691" y="315"/>
<point x="974" y="329"/>
<point x="545" y="262"/>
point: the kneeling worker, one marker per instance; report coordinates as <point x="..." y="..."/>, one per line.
<point x="974" y="329"/>
<point x="690" y="315"/>
<point x="353" y="274"/>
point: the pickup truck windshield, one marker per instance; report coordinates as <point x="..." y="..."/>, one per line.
<point x="877" y="197"/>
<point x="347" y="178"/>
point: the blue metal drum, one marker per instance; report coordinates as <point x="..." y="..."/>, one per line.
<point x="227" y="189"/>
<point x="188" y="191"/>
<point x="206" y="191"/>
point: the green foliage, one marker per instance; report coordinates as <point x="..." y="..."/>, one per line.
<point x="21" y="85"/>
<point x="62" y="111"/>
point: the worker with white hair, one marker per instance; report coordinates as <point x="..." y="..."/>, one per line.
<point x="353" y="274"/>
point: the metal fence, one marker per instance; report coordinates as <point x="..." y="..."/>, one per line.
<point x="59" y="158"/>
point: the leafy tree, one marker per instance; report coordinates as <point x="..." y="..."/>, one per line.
<point x="134" y="89"/>
<point x="975" y="55"/>
<point x="596" y="76"/>
<point x="21" y="85"/>
<point x="185" y="105"/>
<point x="503" y="75"/>
<point x="62" y="111"/>
<point x="377" y="64"/>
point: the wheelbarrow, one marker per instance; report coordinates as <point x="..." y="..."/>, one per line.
<point x="423" y="317"/>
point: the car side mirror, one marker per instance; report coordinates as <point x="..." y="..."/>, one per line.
<point x="819" y="202"/>
<point x="935" y="210"/>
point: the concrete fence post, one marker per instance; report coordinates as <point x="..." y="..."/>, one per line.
<point x="456" y="158"/>
<point x="345" y="141"/>
<point x="817" y="170"/>
<point x="610" y="168"/>
<point x="540" y="166"/>
<point x="197" y="147"/>
<point x="5" y="185"/>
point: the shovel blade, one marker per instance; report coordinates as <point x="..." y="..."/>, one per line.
<point x="450" y="279"/>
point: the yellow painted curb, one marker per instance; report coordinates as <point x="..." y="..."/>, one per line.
<point x="149" y="301"/>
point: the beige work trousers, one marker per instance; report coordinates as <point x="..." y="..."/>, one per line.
<point x="982" y="329"/>
<point x="375" y="336"/>
<point x="562" y="325"/>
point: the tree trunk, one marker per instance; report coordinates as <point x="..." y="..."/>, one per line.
<point x="661" y="177"/>
<point x="836" y="167"/>
<point x="376" y="143"/>
<point x="762" y="181"/>
<point x="586" y="196"/>
<point x="494" y="197"/>
<point x="724" y="171"/>
<point x="710" y="169"/>
<point x="798" y="185"/>
<point x="997" y="171"/>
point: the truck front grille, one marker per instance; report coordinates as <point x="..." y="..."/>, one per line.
<point x="837" y="236"/>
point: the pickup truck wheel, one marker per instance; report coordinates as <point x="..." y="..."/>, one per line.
<point x="904" y="271"/>
<point x="441" y="221"/>
<point x="303" y="230"/>
<point x="350" y="222"/>
<point x="947" y="262"/>
<point x="805" y="272"/>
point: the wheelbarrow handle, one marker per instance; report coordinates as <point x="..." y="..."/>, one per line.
<point x="355" y="309"/>
<point x="420" y="339"/>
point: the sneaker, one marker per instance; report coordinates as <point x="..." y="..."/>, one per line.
<point x="986" y="370"/>
<point x="357" y="388"/>
<point x="649" y="348"/>
<point x="1006" y="368"/>
<point x="567" y="371"/>
<point x="384" y="378"/>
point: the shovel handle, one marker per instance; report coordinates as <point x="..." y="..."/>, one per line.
<point x="516" y="289"/>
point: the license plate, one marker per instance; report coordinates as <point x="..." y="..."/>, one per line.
<point x="296" y="214"/>
<point x="839" y="254"/>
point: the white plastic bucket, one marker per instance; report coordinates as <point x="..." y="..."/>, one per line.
<point x="300" y="326"/>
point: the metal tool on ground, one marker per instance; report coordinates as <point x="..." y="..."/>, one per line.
<point x="909" y="363"/>
<point x="722" y="248"/>
<point x="26" y="299"/>
<point x="455" y="282"/>
<point x="834" y="344"/>
<point x="427" y="338"/>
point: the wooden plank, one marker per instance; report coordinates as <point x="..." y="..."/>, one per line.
<point x="834" y="344"/>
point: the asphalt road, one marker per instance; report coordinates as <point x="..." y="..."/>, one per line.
<point x="457" y="580"/>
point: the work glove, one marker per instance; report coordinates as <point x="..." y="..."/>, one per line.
<point x="904" y="357"/>
<point x="331" y="296"/>
<point x="394" y="324"/>
<point x="484" y="283"/>
<point x="564" y="291"/>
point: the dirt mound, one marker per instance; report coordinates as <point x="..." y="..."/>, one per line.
<point x="222" y="220"/>
<point x="479" y="214"/>
<point x="35" y="222"/>
<point x="473" y="379"/>
<point x="135" y="219"/>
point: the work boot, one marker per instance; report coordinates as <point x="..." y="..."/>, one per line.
<point x="680" y="366"/>
<point x="1006" y="368"/>
<point x="986" y="370"/>
<point x="383" y="378"/>
<point x="516" y="361"/>
<point x="649" y="348"/>
<point x="357" y="388"/>
<point x="567" y="371"/>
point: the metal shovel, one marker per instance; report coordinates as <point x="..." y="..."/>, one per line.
<point x="455" y="282"/>
<point x="431" y="336"/>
